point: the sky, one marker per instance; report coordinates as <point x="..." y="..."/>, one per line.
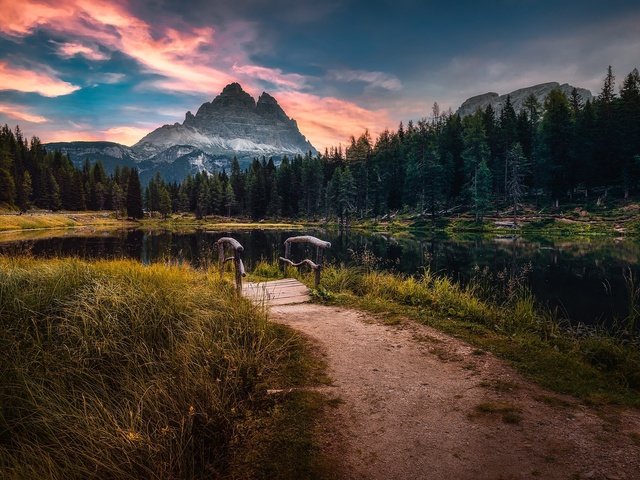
<point x="115" y="70"/>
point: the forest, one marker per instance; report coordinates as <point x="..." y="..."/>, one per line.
<point x="547" y="154"/>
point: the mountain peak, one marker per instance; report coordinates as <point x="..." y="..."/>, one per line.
<point x="266" y="98"/>
<point x="232" y="96"/>
<point x="232" y="88"/>
<point x="268" y="107"/>
<point x="232" y="124"/>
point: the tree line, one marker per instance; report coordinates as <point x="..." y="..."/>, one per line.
<point x="31" y="177"/>
<point x="561" y="150"/>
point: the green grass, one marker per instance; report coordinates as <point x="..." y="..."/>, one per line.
<point x="597" y="367"/>
<point x="117" y="370"/>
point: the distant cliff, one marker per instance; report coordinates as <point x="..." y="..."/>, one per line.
<point x="518" y="97"/>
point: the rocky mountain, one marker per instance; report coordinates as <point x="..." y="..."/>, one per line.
<point x="518" y="97"/>
<point x="173" y="163"/>
<point x="232" y="125"/>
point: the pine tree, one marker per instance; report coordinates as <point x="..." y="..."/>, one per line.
<point x="556" y="141"/>
<point x="55" y="202"/>
<point x="273" y="208"/>
<point x="164" y="202"/>
<point x="134" y="196"/>
<point x="629" y="130"/>
<point x="606" y="146"/>
<point x="7" y="187"/>
<point x="77" y="193"/>
<point x="346" y="195"/>
<point x="518" y="169"/>
<point x="481" y="190"/>
<point x="184" y="205"/>
<point x="117" y="199"/>
<point x="228" y="199"/>
<point x="475" y="155"/>
<point x="508" y="136"/>
<point x="24" y="199"/>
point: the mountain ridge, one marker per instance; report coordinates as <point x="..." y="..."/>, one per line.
<point x="518" y="97"/>
<point x="232" y="125"/>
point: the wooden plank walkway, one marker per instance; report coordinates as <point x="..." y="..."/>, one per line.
<point x="277" y="292"/>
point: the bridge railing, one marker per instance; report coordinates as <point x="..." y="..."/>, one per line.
<point x="316" y="266"/>
<point x="236" y="250"/>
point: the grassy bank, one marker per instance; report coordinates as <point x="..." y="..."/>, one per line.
<point x="177" y="222"/>
<point x="113" y="369"/>
<point x="616" y="222"/>
<point x="500" y="316"/>
<point x="48" y="220"/>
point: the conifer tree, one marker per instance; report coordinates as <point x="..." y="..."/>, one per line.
<point x="117" y="199"/>
<point x="134" y="196"/>
<point x="7" y="187"/>
<point x="55" y="202"/>
<point x="228" y="198"/>
<point x="164" y="202"/>
<point x="481" y="190"/>
<point x="24" y="198"/>
<point x="556" y="140"/>
<point x="518" y="169"/>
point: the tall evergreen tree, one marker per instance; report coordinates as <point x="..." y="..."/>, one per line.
<point x="556" y="140"/>
<point x="134" y="196"/>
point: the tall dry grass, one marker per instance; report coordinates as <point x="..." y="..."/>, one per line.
<point x="117" y="370"/>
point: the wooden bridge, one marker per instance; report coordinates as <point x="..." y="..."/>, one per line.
<point x="278" y="292"/>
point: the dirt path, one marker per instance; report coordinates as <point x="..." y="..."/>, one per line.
<point x="417" y="404"/>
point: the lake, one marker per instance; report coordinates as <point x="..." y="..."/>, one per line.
<point x="583" y="278"/>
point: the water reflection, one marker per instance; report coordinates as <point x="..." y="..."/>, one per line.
<point x="583" y="278"/>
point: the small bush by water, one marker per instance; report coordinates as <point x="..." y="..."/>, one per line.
<point x="113" y="369"/>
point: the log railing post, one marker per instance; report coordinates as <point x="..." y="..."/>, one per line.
<point x="320" y="245"/>
<point x="237" y="259"/>
<point x="220" y="246"/>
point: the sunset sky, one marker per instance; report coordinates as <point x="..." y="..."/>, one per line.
<point x="114" y="70"/>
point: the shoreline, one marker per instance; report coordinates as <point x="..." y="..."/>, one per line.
<point x="528" y="226"/>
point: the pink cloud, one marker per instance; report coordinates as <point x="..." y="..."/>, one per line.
<point x="124" y="134"/>
<point x="71" y="49"/>
<point x="328" y="121"/>
<point x="15" y="78"/>
<point x="62" y="135"/>
<point x="19" y="18"/>
<point x="18" y="113"/>
<point x="272" y="75"/>
<point x="182" y="57"/>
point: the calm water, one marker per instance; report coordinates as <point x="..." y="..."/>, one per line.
<point x="584" y="278"/>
